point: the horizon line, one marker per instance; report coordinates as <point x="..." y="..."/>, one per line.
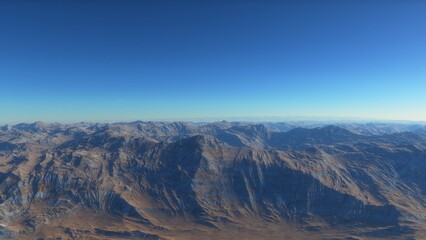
<point x="234" y="119"/>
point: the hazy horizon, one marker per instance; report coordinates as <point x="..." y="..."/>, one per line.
<point x="109" y="61"/>
<point x="239" y="119"/>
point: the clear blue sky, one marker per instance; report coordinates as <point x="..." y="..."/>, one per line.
<point x="86" y="60"/>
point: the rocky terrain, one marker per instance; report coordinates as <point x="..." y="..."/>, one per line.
<point x="224" y="180"/>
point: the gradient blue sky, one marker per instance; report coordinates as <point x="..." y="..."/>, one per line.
<point x="86" y="60"/>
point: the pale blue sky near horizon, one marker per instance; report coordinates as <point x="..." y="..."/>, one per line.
<point x="93" y="60"/>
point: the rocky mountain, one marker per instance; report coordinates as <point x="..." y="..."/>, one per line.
<point x="224" y="180"/>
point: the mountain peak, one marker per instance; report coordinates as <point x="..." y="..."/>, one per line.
<point x="335" y="130"/>
<point x="32" y="127"/>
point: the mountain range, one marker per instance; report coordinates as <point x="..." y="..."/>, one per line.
<point x="220" y="180"/>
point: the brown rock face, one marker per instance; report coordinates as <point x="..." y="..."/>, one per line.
<point x="151" y="180"/>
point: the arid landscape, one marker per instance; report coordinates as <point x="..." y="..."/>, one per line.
<point x="222" y="180"/>
<point x="221" y="120"/>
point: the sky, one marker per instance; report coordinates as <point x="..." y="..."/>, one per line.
<point x="102" y="60"/>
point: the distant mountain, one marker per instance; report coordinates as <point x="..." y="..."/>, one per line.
<point x="421" y="130"/>
<point x="224" y="180"/>
<point x="301" y="138"/>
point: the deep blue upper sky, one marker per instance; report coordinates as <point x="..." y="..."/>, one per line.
<point x="86" y="60"/>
